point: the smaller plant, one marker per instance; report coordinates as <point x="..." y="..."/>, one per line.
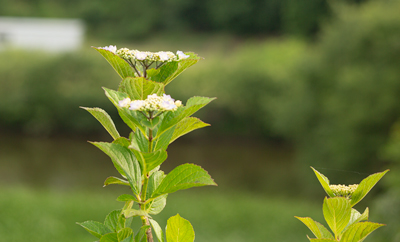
<point x="346" y="223"/>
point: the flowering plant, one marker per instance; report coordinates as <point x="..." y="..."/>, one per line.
<point x="344" y="221"/>
<point x="156" y="120"/>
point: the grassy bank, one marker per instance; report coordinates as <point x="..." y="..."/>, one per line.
<point x="33" y="215"/>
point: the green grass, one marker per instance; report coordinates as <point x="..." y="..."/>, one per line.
<point x="34" y="215"/>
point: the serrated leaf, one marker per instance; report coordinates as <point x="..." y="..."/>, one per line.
<point x="173" y="118"/>
<point x="115" y="180"/>
<point x="162" y="141"/>
<point x="324" y="182"/>
<point x="171" y="70"/>
<point x="359" y="231"/>
<point x="124" y="160"/>
<point x="316" y="228"/>
<point x="323" y="240"/>
<point x="120" y="65"/>
<point x="131" y="118"/>
<point x="111" y="237"/>
<point x="183" y="177"/>
<point x="105" y="120"/>
<point x="128" y="239"/>
<point x="356" y="217"/>
<point x="155" y="180"/>
<point x="365" y="186"/>
<point x="126" y="197"/>
<point x="179" y="230"/>
<point x="157" y="230"/>
<point x="122" y="141"/>
<point x="95" y="228"/>
<point x="133" y="213"/>
<point x="187" y="125"/>
<point x="124" y="233"/>
<point x="337" y="213"/>
<point x="113" y="220"/>
<point x="149" y="161"/>
<point x="158" y="204"/>
<point x="139" y="88"/>
<point x="141" y="236"/>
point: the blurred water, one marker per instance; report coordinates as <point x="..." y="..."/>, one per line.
<point x="71" y="163"/>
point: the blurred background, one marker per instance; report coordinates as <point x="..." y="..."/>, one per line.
<point x="299" y="84"/>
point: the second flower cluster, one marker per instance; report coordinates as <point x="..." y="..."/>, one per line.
<point x="152" y="103"/>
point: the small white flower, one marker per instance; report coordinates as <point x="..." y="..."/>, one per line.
<point x="125" y="102"/>
<point x="136" y="105"/>
<point x="111" y="48"/>
<point x="141" y="55"/>
<point x="182" y="55"/>
<point x="163" y="56"/>
<point x="178" y="103"/>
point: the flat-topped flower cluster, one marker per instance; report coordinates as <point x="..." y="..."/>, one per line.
<point x="136" y="55"/>
<point x="343" y="190"/>
<point x="152" y="103"/>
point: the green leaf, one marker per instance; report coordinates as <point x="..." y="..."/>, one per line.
<point x="155" y="180"/>
<point x="171" y="70"/>
<point x="114" y="221"/>
<point x="179" y="230"/>
<point x="162" y="73"/>
<point x="158" y="204"/>
<point x="183" y="177"/>
<point x="95" y="228"/>
<point x="124" y="160"/>
<point x="124" y="233"/>
<point x="131" y="118"/>
<point x="133" y="213"/>
<point x="105" y="120"/>
<point x="141" y="236"/>
<point x="365" y="186"/>
<point x="162" y="141"/>
<point x="316" y="228"/>
<point x="337" y="213"/>
<point x="356" y="217"/>
<point x="187" y="125"/>
<point x="115" y="180"/>
<point x="323" y="240"/>
<point x="359" y="231"/>
<point x="120" y="65"/>
<point x="111" y="237"/>
<point x="139" y="88"/>
<point x="173" y="118"/>
<point x="128" y="239"/>
<point x="122" y="141"/>
<point x="324" y="182"/>
<point x="126" y="198"/>
<point x="157" y="230"/>
<point x="149" y="161"/>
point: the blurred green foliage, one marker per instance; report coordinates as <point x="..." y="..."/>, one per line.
<point x="141" y="18"/>
<point x="335" y="98"/>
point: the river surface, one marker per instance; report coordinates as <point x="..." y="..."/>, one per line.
<point x="65" y="163"/>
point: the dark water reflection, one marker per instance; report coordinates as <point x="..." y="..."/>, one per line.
<point x="72" y="163"/>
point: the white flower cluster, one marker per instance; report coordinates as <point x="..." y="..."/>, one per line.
<point x="152" y="103"/>
<point x="343" y="190"/>
<point x="163" y="56"/>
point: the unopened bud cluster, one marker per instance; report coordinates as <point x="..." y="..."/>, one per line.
<point x="343" y="190"/>
<point x="136" y="55"/>
<point x="152" y="103"/>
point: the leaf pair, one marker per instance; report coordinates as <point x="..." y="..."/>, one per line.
<point x="362" y="190"/>
<point x="165" y="74"/>
<point x="344" y="221"/>
<point x="114" y="229"/>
